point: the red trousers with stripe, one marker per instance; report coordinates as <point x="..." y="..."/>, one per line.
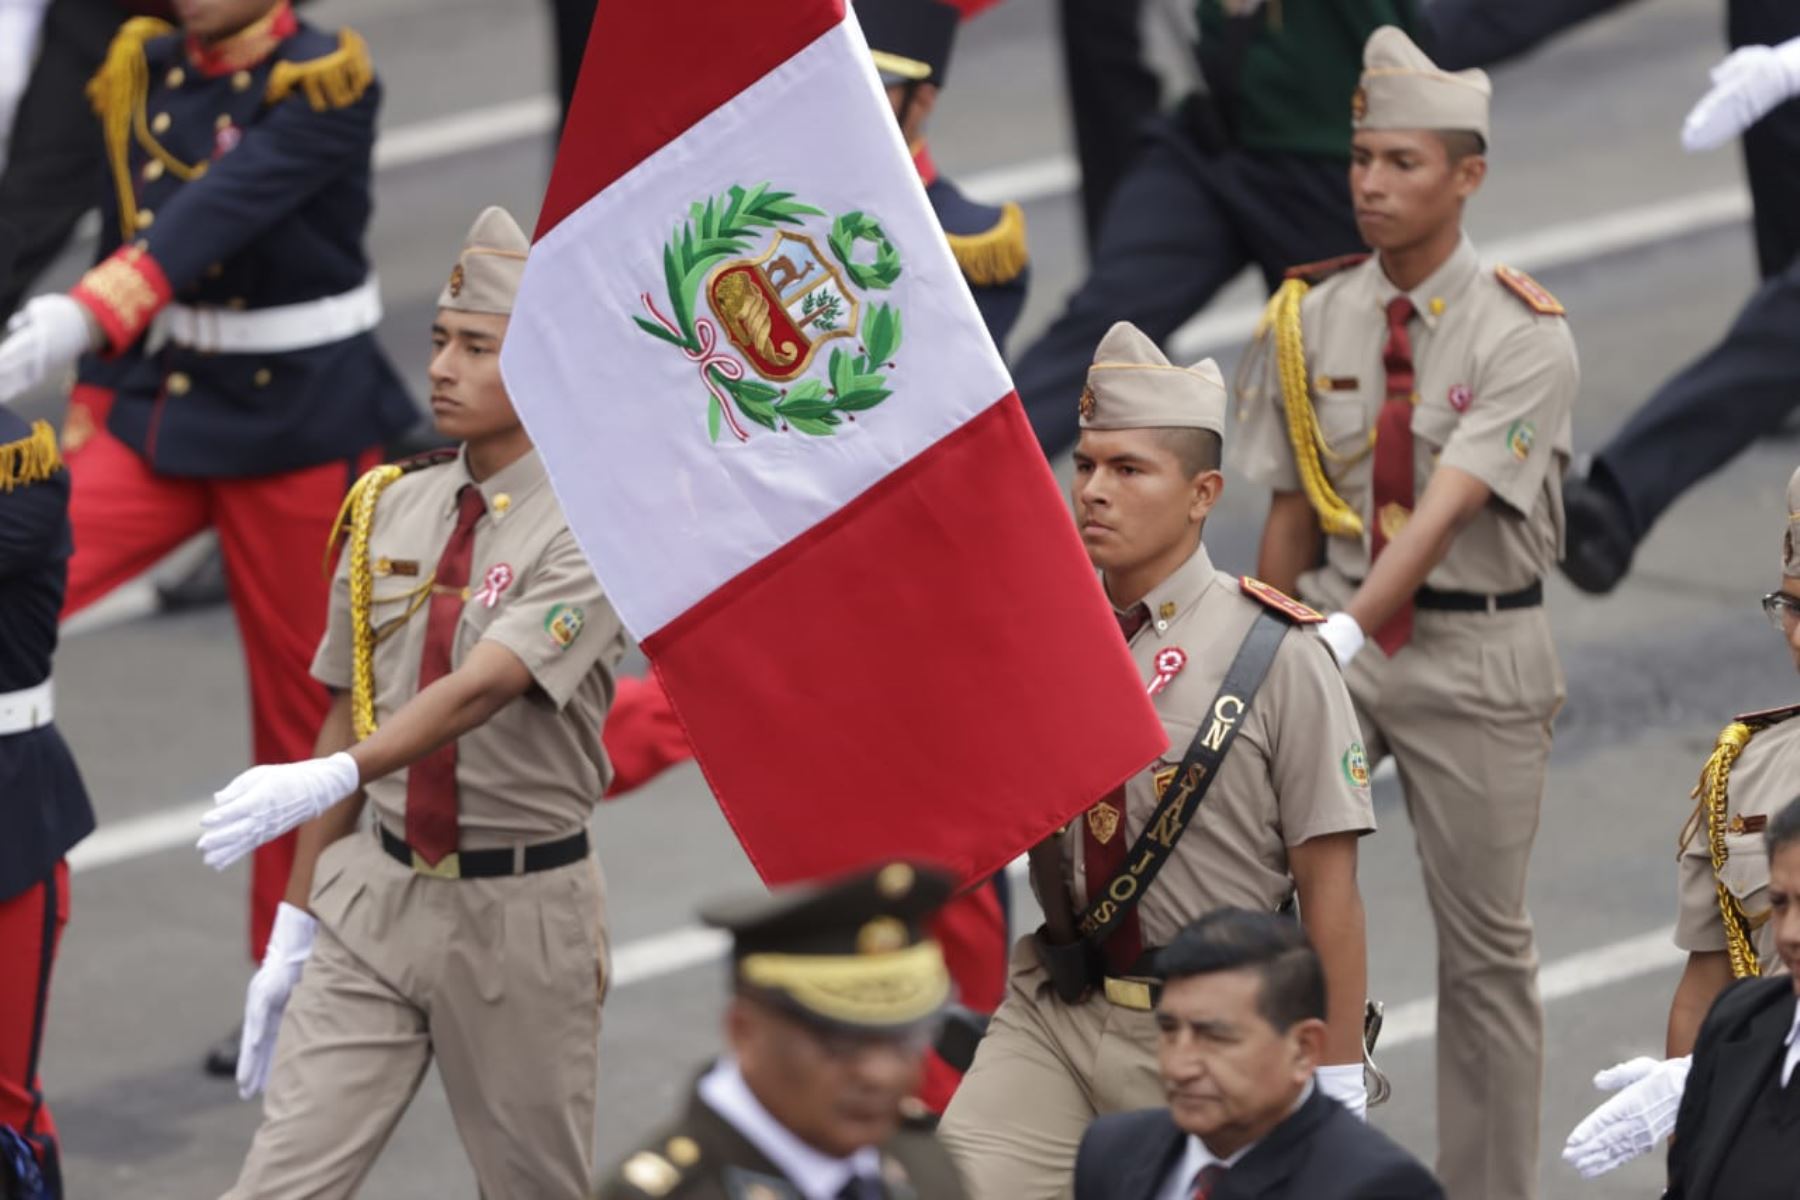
<point x="272" y="533"/>
<point x="31" y="925"/>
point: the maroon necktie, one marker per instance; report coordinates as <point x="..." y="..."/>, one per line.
<point x="1394" y="460"/>
<point x="431" y="782"/>
<point x="1103" y="857"/>
<point x="1207" y="1181"/>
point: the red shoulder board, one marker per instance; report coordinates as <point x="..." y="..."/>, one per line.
<point x="1273" y="597"/>
<point x="1533" y="293"/>
<point x="1770" y="716"/>
<point x="428" y="458"/>
<point x="1325" y="268"/>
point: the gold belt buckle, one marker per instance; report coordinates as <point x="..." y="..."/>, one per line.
<point x="448" y="867"/>
<point x="1129" y="993"/>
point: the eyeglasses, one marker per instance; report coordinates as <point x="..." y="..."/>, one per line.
<point x="1782" y="610"/>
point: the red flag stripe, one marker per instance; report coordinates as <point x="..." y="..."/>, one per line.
<point x="629" y="103"/>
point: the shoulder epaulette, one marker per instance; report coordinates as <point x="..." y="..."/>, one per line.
<point x="1273" y="597"/>
<point x="435" y="457"/>
<point x="996" y="255"/>
<point x="1325" y="268"/>
<point x="1536" y="297"/>
<point x="1769" y="716"/>
<point x="31" y="459"/>
<point x="116" y="91"/>
<point x="334" y="80"/>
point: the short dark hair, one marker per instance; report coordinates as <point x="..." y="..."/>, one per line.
<point x="1197" y="450"/>
<point x="1461" y="143"/>
<point x="1274" y="946"/>
<point x="1783" y="828"/>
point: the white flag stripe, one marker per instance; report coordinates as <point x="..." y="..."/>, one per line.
<point x="664" y="514"/>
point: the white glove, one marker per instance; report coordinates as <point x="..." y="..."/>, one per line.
<point x="1751" y="81"/>
<point x="290" y="943"/>
<point x="47" y="335"/>
<point x="1634" y="1120"/>
<point x="265" y="802"/>
<point x="1343" y="635"/>
<point x="1344" y="1083"/>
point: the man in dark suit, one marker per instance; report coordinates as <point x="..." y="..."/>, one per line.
<point x="1242" y="1029"/>
<point x="1737" y="1136"/>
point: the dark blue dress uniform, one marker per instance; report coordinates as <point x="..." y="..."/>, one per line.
<point x="240" y="386"/>
<point x="44" y="809"/>
<point x="989" y="244"/>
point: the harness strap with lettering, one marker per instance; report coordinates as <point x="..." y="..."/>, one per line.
<point x="1181" y="799"/>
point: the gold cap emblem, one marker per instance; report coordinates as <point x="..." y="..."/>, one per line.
<point x="1086" y="404"/>
<point x="1359" y="104"/>
<point x="456" y="280"/>
<point x="883" y="935"/>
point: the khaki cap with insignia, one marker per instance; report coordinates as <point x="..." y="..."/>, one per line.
<point x="1401" y="88"/>
<point x="1132" y="386"/>
<point x="1790" y="539"/>
<point x="486" y="276"/>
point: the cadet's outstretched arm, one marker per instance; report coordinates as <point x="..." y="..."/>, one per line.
<point x="489" y="679"/>
<point x="1450" y="501"/>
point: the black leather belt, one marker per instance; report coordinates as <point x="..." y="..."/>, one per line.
<point x="1438" y="601"/>
<point x="487" y="864"/>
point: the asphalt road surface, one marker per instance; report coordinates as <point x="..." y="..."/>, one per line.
<point x="1647" y="248"/>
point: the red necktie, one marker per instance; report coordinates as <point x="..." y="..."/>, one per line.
<point x="431" y="782"/>
<point x="1102" y="858"/>
<point x="1394" y="459"/>
<point x="1207" y="1181"/>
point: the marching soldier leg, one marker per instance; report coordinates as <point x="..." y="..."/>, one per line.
<point x="515" y="1021"/>
<point x="1470" y="732"/>
<point x="31" y="925"/>
<point x="348" y="1060"/>
<point x="1016" y="1121"/>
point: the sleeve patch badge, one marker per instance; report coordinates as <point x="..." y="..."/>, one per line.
<point x="1521" y="436"/>
<point x="1356" y="765"/>
<point x="563" y="624"/>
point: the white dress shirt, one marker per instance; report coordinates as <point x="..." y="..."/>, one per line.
<point x="1793" y="1045"/>
<point x="817" y="1175"/>
<point x="1178" y="1184"/>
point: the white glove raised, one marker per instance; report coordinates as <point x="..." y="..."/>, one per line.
<point x="1343" y="635"/>
<point x="265" y="802"/>
<point x="1343" y="1082"/>
<point x="290" y="944"/>
<point x="1751" y="81"/>
<point x="1641" y="1115"/>
<point x="47" y="335"/>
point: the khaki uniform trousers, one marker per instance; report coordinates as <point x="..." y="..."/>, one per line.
<point x="500" y="979"/>
<point x="1465" y="709"/>
<point x="1042" y="1074"/>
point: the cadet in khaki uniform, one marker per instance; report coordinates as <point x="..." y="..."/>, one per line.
<point x="1413" y="408"/>
<point x="838" y="992"/>
<point x="470" y="651"/>
<point x="1723" y="921"/>
<point x="1282" y="813"/>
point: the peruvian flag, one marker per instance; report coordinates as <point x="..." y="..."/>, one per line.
<point x="784" y="441"/>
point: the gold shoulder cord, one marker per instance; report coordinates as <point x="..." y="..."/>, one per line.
<point x="1335" y="516"/>
<point x="359" y="508"/>
<point x="1713" y="801"/>
<point x="117" y="92"/>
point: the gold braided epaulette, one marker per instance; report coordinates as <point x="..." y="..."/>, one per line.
<point x="1282" y="317"/>
<point x="997" y="255"/>
<point x="1713" y="798"/>
<point x="117" y="92"/>
<point x="31" y="459"/>
<point x="335" y="80"/>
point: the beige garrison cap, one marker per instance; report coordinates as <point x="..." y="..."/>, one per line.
<point x="486" y="276"/>
<point x="1402" y="88"/>
<point x="1790" y="546"/>
<point x="1132" y="386"/>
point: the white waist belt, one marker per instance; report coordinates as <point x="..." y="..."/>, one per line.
<point x="275" y="330"/>
<point x="26" y="710"/>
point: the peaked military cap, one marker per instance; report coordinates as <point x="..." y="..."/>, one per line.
<point x="1132" y="386"/>
<point x="1402" y="88"/>
<point x="851" y="953"/>
<point x="910" y="40"/>
<point x="486" y="276"/>
<point x="1790" y="539"/>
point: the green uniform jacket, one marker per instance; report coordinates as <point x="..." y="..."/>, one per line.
<point x="703" y="1157"/>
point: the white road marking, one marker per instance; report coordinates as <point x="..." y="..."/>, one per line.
<point x="122" y="841"/>
<point x="464" y="132"/>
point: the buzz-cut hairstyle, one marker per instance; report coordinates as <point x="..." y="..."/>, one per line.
<point x="1271" y="945"/>
<point x="1196" y="450"/>
<point x="1783" y="829"/>
<point x="1461" y="143"/>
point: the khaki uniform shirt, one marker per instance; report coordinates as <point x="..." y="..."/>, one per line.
<point x="1762" y="782"/>
<point x="1495" y="386"/>
<point x="534" y="770"/>
<point x="1297" y="769"/>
